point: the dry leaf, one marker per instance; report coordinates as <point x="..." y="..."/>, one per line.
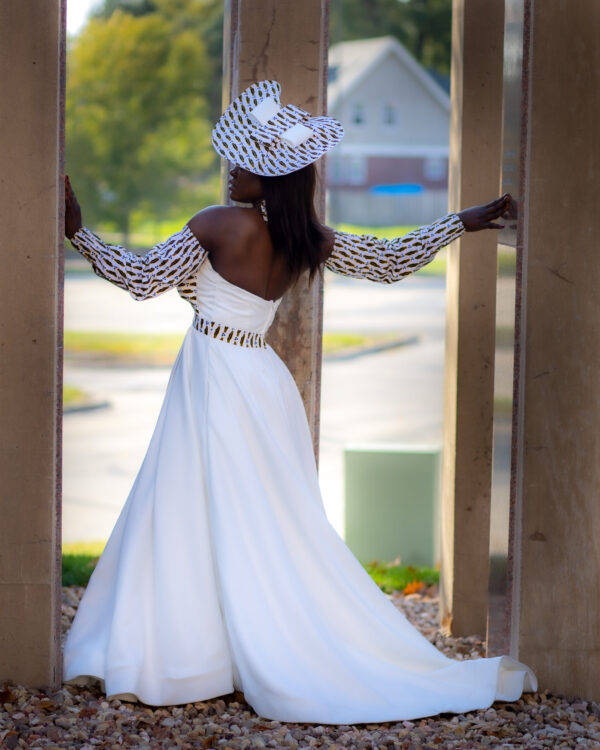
<point x="413" y="587"/>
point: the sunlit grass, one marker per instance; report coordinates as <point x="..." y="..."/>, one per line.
<point x="382" y="232"/>
<point x="73" y="396"/>
<point x="80" y="558"/>
<point x="161" y="348"/>
<point x="146" y="348"/>
<point x="390" y="577"/>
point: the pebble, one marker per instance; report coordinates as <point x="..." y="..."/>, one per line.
<point x="83" y="719"/>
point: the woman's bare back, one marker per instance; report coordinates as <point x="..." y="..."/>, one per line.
<point x="240" y="249"/>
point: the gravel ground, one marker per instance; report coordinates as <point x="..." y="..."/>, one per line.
<point x="81" y="717"/>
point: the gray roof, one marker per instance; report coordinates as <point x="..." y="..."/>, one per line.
<point x="350" y="62"/>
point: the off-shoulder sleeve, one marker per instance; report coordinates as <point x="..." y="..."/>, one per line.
<point x="143" y="276"/>
<point x="367" y="257"/>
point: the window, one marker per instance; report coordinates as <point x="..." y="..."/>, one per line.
<point x="335" y="170"/>
<point x="389" y="115"/>
<point x="357" y="173"/>
<point x="434" y="168"/>
<point x="358" y="114"/>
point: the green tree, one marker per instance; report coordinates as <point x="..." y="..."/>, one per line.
<point x="134" y="7"/>
<point x="138" y="137"/>
<point x="423" y="26"/>
<point x="205" y="17"/>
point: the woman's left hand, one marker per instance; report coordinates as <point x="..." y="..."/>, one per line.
<point x="482" y="217"/>
<point x="72" y="210"/>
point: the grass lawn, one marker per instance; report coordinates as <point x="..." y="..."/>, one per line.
<point x="161" y="349"/>
<point x="125" y="348"/>
<point x="73" y="396"/>
<point x="79" y="560"/>
<point x="407" y="578"/>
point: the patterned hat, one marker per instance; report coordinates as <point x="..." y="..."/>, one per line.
<point x="257" y="133"/>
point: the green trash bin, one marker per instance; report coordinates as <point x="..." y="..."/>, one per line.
<point x="392" y="502"/>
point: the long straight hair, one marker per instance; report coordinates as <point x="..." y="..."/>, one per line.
<point x="293" y="224"/>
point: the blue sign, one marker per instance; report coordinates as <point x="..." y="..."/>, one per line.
<point x="402" y="188"/>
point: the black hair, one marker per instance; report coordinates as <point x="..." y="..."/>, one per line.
<point x="292" y="220"/>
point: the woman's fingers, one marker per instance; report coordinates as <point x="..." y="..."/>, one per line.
<point x="496" y="209"/>
<point x="482" y="217"/>
<point x="499" y="202"/>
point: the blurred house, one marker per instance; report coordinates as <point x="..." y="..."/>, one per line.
<point x="392" y="165"/>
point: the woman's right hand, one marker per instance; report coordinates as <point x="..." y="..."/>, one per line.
<point x="72" y="210"/>
<point x="482" y="217"/>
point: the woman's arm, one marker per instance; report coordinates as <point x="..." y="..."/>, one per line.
<point x="368" y="257"/>
<point x="163" y="267"/>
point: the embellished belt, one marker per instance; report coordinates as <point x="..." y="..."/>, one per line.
<point x="229" y="334"/>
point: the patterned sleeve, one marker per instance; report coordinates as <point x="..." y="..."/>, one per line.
<point x="367" y="257"/>
<point x="143" y="276"/>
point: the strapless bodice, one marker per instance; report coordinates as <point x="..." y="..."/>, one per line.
<point x="221" y="301"/>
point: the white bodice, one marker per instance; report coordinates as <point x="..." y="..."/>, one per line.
<point x="221" y="301"/>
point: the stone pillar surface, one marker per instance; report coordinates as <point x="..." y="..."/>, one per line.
<point x="285" y="41"/>
<point x="475" y="147"/>
<point x="31" y="203"/>
<point x="555" y="617"/>
<point x="502" y="515"/>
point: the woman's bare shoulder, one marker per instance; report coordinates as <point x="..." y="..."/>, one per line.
<point x="212" y="223"/>
<point x="209" y="217"/>
<point x="328" y="242"/>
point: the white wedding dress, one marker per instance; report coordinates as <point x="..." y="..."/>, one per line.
<point x="223" y="571"/>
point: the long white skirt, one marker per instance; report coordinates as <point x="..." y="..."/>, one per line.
<point x="223" y="572"/>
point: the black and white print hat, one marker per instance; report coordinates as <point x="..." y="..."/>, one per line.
<point x="257" y="133"/>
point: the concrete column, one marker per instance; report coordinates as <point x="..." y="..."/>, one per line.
<point x="475" y="143"/>
<point x="31" y="240"/>
<point x="286" y="41"/>
<point x="555" y="618"/>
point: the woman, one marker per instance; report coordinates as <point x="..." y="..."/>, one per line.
<point x="222" y="570"/>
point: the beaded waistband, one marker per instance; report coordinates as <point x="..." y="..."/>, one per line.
<point x="230" y="335"/>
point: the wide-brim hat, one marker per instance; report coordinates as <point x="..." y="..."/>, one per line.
<point x="257" y="133"/>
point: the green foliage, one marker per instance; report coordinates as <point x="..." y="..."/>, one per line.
<point x="203" y="17"/>
<point x="390" y="577"/>
<point x="134" y="7"/>
<point x="138" y="137"/>
<point x="423" y="26"/>
<point x="79" y="560"/>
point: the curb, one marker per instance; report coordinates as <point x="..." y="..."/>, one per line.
<point x="354" y="354"/>
<point x="91" y="406"/>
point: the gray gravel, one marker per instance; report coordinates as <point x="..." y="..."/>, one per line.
<point x="81" y="717"/>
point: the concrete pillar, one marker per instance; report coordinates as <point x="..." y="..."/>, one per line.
<point x="555" y="573"/>
<point x="31" y="200"/>
<point x="503" y="481"/>
<point x="475" y="142"/>
<point x="286" y="41"/>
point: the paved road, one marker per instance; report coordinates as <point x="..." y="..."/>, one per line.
<point x="390" y="396"/>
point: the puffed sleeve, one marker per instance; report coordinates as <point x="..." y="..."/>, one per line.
<point x="143" y="276"/>
<point x="367" y="257"/>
